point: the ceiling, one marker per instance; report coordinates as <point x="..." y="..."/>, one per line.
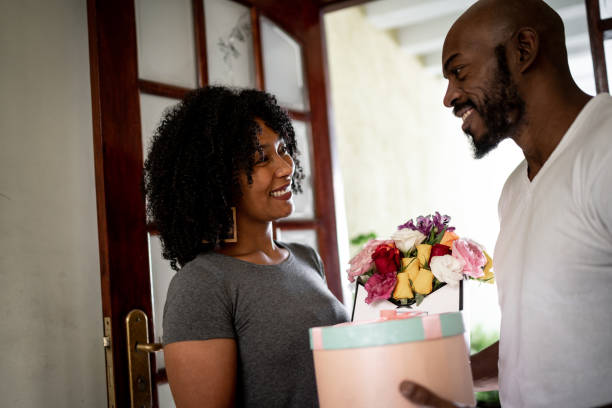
<point x="421" y="25"/>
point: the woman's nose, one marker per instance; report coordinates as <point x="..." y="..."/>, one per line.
<point x="285" y="167"/>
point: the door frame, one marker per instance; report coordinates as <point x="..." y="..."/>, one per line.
<point x="118" y="161"/>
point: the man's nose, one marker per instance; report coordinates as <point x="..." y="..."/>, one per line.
<point x="451" y="96"/>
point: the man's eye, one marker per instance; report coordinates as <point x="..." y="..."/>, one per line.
<point x="456" y="71"/>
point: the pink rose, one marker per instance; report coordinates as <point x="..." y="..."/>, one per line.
<point x="362" y="262"/>
<point x="470" y="252"/>
<point x="380" y="286"/>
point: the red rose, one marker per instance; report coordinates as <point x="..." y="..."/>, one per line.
<point x="439" y="250"/>
<point x="387" y="258"/>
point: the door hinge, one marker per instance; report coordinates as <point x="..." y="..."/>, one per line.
<point x="108" y="354"/>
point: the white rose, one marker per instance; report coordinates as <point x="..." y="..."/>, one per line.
<point x="447" y="268"/>
<point x="406" y="239"/>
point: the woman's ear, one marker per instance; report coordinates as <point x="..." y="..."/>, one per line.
<point x="527" y="43"/>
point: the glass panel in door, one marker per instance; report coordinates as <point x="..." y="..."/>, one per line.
<point x="605" y="9"/>
<point x="229" y="44"/>
<point x="304" y="201"/>
<point x="166" y="51"/>
<point x="302" y="236"/>
<point x="283" y="67"/>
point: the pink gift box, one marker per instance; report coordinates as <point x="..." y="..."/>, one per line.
<point x="361" y="364"/>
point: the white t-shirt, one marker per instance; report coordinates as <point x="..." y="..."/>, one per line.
<point x="553" y="261"/>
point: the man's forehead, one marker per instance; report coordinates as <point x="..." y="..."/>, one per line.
<point x="470" y="36"/>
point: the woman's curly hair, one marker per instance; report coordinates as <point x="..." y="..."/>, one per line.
<point x="197" y="156"/>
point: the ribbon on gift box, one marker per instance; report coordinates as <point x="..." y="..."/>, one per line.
<point x="391" y="328"/>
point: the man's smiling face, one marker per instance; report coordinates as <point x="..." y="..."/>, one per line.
<point x="481" y="89"/>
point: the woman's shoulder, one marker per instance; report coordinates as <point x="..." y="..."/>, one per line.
<point x="202" y="270"/>
<point x="305" y="253"/>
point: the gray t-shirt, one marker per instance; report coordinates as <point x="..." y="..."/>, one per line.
<point x="267" y="309"/>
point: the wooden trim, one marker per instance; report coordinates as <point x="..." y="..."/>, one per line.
<point x="299" y="115"/>
<point x="159" y="89"/>
<point x="606" y="25"/>
<point x="297" y="224"/>
<point x="597" y="45"/>
<point x="160" y="377"/>
<point x="330" y="6"/>
<point x="124" y="253"/>
<point x="257" y="49"/>
<point x="152" y="229"/>
<point x="199" y="24"/>
<point x="315" y="77"/>
<point x="94" y="73"/>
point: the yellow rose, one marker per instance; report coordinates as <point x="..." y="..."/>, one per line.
<point x="488" y="273"/>
<point x="424" y="281"/>
<point x="423" y="252"/>
<point x="402" y="288"/>
<point x="411" y="266"/>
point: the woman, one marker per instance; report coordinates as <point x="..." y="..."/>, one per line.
<point x="237" y="314"/>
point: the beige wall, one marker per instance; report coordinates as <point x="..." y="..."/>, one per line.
<point x="401" y="152"/>
<point x="50" y="315"/>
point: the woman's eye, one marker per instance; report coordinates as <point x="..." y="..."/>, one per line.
<point x="282" y="150"/>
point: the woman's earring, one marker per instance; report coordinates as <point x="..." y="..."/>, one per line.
<point x="232" y="234"/>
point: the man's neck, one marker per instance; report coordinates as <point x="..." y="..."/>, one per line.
<point x="546" y="124"/>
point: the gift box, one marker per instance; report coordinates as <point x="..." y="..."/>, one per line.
<point x="445" y="299"/>
<point x="361" y="364"/>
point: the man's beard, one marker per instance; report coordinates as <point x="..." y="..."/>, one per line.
<point x="502" y="111"/>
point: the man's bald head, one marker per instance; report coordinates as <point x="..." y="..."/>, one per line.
<point x="493" y="22"/>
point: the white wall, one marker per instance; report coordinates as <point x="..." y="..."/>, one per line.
<point x="50" y="310"/>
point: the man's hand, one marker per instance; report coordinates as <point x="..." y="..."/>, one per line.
<point x="422" y="397"/>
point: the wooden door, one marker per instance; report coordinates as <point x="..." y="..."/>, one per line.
<point x="599" y="18"/>
<point x="144" y="56"/>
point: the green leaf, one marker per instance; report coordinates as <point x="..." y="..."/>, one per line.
<point x="419" y="298"/>
<point x="362" y="238"/>
<point x="440" y="235"/>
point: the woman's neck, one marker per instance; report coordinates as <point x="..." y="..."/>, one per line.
<point x="255" y="245"/>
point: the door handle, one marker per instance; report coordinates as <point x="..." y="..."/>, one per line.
<point x="139" y="362"/>
<point x="149" y="347"/>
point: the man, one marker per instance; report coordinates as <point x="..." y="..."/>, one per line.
<point x="508" y="77"/>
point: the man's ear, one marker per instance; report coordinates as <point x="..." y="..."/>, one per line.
<point x="527" y="45"/>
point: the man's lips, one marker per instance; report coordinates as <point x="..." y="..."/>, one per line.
<point x="464" y="112"/>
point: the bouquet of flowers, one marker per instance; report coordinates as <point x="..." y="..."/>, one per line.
<point x="420" y="258"/>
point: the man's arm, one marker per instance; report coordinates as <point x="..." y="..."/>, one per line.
<point x="484" y="373"/>
<point x="484" y="368"/>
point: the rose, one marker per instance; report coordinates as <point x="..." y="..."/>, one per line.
<point x="423" y="253"/>
<point x="447" y="268"/>
<point x="473" y="256"/>
<point x="387" y="258"/>
<point x="423" y="283"/>
<point x="448" y="238"/>
<point x="406" y="239"/>
<point x="439" y="250"/>
<point x="362" y="262"/>
<point x="380" y="286"/>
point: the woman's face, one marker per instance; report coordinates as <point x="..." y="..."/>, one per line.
<point x="269" y="197"/>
